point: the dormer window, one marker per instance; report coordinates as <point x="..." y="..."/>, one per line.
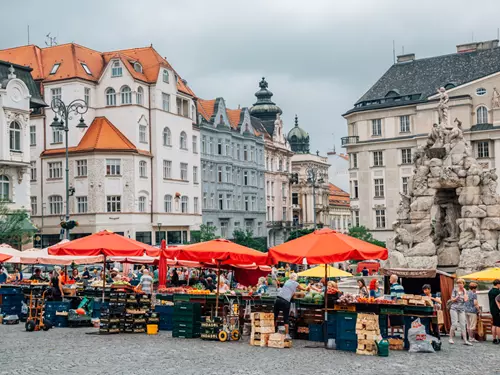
<point x="54" y="68"/>
<point x="138" y="67"/>
<point x="86" y="68"/>
<point x="165" y="75"/>
<point x="116" y="70"/>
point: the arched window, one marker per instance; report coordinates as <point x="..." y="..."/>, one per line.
<point x="184" y="204"/>
<point x="55" y="205"/>
<point x="142" y="204"/>
<point x="143" y="169"/>
<point x="165" y="75"/>
<point x="168" y="203"/>
<point x="126" y="94"/>
<point x="482" y="115"/>
<point x="4" y="188"/>
<point x="167" y="137"/>
<point x="110" y="96"/>
<point x="183" y="141"/>
<point x="15" y="136"/>
<point x="140" y="95"/>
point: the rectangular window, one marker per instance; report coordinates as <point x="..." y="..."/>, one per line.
<point x="219" y="173"/>
<point x="211" y="148"/>
<point x="379" y="219"/>
<point x="82" y="205"/>
<point x="219" y="147"/>
<point x="483" y="149"/>
<point x="228" y="201"/>
<point x="404" y="124"/>
<point x="144" y="237"/>
<point x="143" y="169"/>
<point x="195" y="205"/>
<point x="379" y="187"/>
<point x="406" y="155"/>
<point x="195" y="174"/>
<point x="116" y="70"/>
<point x="221" y="202"/>
<point x="86" y="95"/>
<point x="165" y="102"/>
<point x="295" y="198"/>
<point x="224" y="226"/>
<point x="283" y="189"/>
<point x="54" y="68"/>
<point x="245" y="153"/>
<point x="228" y="148"/>
<point x="228" y="174"/>
<point x="254" y="202"/>
<point x="205" y="200"/>
<point x="113" y="167"/>
<point x="55" y="169"/>
<point x="195" y="144"/>
<point x="247" y="203"/>
<point x="167" y="169"/>
<point x="245" y="178"/>
<point x="32" y="135"/>
<point x="184" y="171"/>
<point x="81" y="168"/>
<point x="57" y="136"/>
<point x="355" y="218"/>
<point x="182" y="107"/>
<point x="378" y="158"/>
<point x="404" y="184"/>
<point x="113" y="203"/>
<point x="34" y="206"/>
<point x="56" y="93"/>
<point x="212" y="200"/>
<point x="377" y="127"/>
<point x="283" y="216"/>
<point x="33" y="171"/>
<point x="142" y="134"/>
<point x="203" y="144"/>
<point x="355" y="189"/>
<point x="238" y="152"/>
<point x="354" y="160"/>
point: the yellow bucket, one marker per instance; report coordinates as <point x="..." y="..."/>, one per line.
<point x="152" y="329"/>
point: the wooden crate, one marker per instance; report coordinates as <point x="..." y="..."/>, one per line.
<point x="270" y="329"/>
<point x="259" y="339"/>
<point x="261" y="316"/>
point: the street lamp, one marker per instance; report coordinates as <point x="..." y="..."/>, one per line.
<point x="76" y="107"/>
<point x="314" y="178"/>
<point x="159" y="227"/>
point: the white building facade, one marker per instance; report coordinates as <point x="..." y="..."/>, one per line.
<point x="394" y="117"/>
<point x="135" y="169"/>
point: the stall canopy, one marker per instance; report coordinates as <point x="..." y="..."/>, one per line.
<point x="485" y="275"/>
<point x="102" y="243"/>
<point x="41" y="256"/>
<point x="325" y="246"/>
<point x="319" y="271"/>
<point x="4" y="257"/>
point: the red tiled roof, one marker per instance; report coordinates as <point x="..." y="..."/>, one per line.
<point x="338" y="196"/>
<point x="234" y="117"/>
<point x="206" y="108"/>
<point x="101" y="135"/>
<point x="71" y="55"/>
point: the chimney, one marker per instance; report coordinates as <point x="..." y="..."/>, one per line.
<point x="477" y="46"/>
<point x="406" y="58"/>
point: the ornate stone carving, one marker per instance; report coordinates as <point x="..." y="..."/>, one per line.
<point x="495" y="102"/>
<point x="443" y="107"/>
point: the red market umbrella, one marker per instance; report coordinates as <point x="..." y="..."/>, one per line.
<point x="325" y="246"/>
<point x="104" y="243"/>
<point x="162" y="266"/>
<point x="4" y="257"/>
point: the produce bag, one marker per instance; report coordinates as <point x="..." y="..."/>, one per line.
<point x="293" y="309"/>
<point x="420" y="341"/>
<point x="24" y="308"/>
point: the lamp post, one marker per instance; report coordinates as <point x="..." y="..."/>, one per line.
<point x="314" y="177"/>
<point x="159" y="227"/>
<point x="76" y="107"/>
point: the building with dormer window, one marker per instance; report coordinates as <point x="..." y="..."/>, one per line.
<point x="135" y="169"/>
<point x="232" y="169"/>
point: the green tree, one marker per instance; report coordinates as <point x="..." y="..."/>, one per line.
<point x="206" y="233"/>
<point x="246" y="238"/>
<point x="298" y="233"/>
<point x="13" y="226"/>
<point x="364" y="234"/>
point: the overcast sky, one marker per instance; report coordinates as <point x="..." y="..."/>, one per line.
<point x="318" y="56"/>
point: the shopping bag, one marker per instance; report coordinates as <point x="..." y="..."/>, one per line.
<point x="440" y="317"/>
<point x="480" y="329"/>
<point x="420" y="341"/>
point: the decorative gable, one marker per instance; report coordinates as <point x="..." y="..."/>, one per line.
<point x="219" y="117"/>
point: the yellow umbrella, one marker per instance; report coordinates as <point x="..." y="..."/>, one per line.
<point x="319" y="271"/>
<point x="485" y="275"/>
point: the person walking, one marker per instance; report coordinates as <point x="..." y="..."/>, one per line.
<point x="472" y="308"/>
<point x="146" y="282"/>
<point x="457" y="312"/>
<point x="495" y="311"/>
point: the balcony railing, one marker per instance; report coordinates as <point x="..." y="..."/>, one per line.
<point x="350" y="140"/>
<point x="280" y="224"/>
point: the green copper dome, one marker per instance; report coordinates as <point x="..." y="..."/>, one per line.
<point x="298" y="139"/>
<point x="264" y="108"/>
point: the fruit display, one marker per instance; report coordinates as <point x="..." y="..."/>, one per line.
<point x="347" y="298"/>
<point x="314" y="297"/>
<point x="198" y="292"/>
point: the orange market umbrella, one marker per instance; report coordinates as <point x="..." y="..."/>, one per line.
<point x="5" y="257"/>
<point x="104" y="243"/>
<point x="325" y="246"/>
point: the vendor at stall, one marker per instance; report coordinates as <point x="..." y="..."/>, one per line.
<point x="363" y="290"/>
<point x="375" y="290"/>
<point x="38" y="275"/>
<point x="319" y="286"/>
<point x="223" y="287"/>
<point x="284" y="298"/>
<point x="56" y="284"/>
<point x="397" y="291"/>
<point x="210" y="284"/>
<point x="261" y="286"/>
<point x="436" y="302"/>
<point x="86" y="273"/>
<point x="75" y="275"/>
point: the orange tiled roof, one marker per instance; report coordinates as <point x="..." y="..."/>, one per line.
<point x="101" y="135"/>
<point x="338" y="196"/>
<point x="71" y="55"/>
<point x="206" y="108"/>
<point x="234" y="117"/>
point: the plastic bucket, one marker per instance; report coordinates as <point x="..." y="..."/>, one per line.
<point x="152" y="329"/>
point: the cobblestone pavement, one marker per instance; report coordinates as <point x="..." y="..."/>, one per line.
<point x="72" y="351"/>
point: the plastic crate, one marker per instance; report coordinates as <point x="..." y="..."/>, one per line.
<point x="346" y="326"/>
<point x="5" y="290"/>
<point x="316" y="332"/>
<point x="164" y="309"/>
<point x="347" y="345"/>
<point x="181" y="297"/>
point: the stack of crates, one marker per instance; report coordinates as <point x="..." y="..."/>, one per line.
<point x="11" y="301"/>
<point x="347" y="339"/>
<point x="316" y="333"/>
<point x="56" y="313"/>
<point x="331" y="326"/>
<point x="187" y="320"/>
<point x="166" y="316"/>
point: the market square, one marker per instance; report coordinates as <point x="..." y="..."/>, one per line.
<point x="301" y="188"/>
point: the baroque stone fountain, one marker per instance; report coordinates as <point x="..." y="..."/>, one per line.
<point x="451" y="217"/>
